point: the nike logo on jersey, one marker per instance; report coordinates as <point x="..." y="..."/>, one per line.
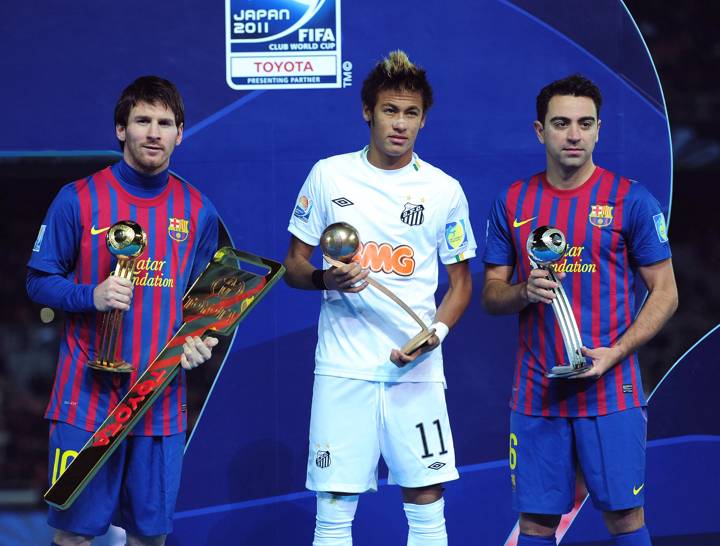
<point x="517" y="224"/>
<point x="637" y="490"/>
<point x="96" y="231"/>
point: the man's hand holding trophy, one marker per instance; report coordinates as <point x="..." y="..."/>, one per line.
<point x="340" y="242"/>
<point x="545" y="246"/>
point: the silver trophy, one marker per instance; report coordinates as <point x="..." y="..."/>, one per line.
<point x="339" y="243"/>
<point x="545" y="246"/>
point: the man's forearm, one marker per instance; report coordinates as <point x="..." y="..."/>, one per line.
<point x="299" y="274"/>
<point x="59" y="293"/>
<point x="659" y="307"/>
<point x="502" y="298"/>
<point x="453" y="305"/>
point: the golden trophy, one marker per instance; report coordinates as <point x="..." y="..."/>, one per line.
<point x="217" y="301"/>
<point x="339" y="243"/>
<point x="125" y="240"/>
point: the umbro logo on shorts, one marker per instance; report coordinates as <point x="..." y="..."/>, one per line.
<point x="437" y="465"/>
<point x="342" y="202"/>
<point x="322" y="459"/>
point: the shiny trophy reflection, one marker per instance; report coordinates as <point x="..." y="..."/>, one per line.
<point x="339" y="243"/>
<point x="545" y="246"/>
<point x="125" y="240"/>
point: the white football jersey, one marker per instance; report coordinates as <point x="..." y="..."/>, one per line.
<point x="405" y="218"/>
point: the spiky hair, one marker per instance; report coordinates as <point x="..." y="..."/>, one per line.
<point x="396" y="72"/>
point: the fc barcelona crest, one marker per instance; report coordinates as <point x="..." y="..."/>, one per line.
<point x="178" y="229"/>
<point x="413" y="215"/>
<point x="601" y="215"/>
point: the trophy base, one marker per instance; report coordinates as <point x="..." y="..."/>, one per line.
<point x="418" y="341"/>
<point x="117" y="367"/>
<point x="567" y="371"/>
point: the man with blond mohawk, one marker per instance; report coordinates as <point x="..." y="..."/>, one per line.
<point x="369" y="398"/>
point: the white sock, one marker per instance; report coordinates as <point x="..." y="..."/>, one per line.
<point x="426" y="523"/>
<point x="333" y="522"/>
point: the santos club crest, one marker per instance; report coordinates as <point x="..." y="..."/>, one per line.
<point x="413" y="215"/>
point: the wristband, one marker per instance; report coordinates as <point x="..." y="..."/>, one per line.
<point x="318" y="279"/>
<point x="441" y="330"/>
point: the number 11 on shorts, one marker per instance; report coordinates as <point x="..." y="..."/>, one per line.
<point x="423" y="437"/>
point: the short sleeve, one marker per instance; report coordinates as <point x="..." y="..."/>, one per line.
<point x="457" y="241"/>
<point x="645" y="227"/>
<point x="499" y="248"/>
<point x="308" y="218"/>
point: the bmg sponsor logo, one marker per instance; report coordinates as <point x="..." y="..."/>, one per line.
<point x="281" y="44"/>
<point x="386" y="258"/>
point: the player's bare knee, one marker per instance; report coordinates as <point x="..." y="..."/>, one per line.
<point x="137" y="540"/>
<point x="624" y="521"/>
<point x="539" y="524"/>
<point x="65" y="538"/>
<point x="423" y="495"/>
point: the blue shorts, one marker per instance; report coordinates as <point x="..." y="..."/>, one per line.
<point x="609" y="449"/>
<point x="136" y="489"/>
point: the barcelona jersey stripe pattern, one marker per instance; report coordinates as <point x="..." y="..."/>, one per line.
<point x="181" y="230"/>
<point x="609" y="227"/>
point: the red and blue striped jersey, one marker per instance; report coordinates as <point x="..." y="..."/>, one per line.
<point x="181" y="227"/>
<point x="612" y="225"/>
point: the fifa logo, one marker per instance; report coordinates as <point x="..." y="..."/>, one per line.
<point x="274" y="45"/>
<point x="227" y="286"/>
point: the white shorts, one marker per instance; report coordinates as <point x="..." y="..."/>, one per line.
<point x="355" y="421"/>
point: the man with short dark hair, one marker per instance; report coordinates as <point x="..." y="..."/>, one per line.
<point x="616" y="232"/>
<point x="136" y="489"/>
<point x="370" y="398"/>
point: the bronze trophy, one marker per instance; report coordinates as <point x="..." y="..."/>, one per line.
<point x="339" y="243"/>
<point x="125" y="240"/>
